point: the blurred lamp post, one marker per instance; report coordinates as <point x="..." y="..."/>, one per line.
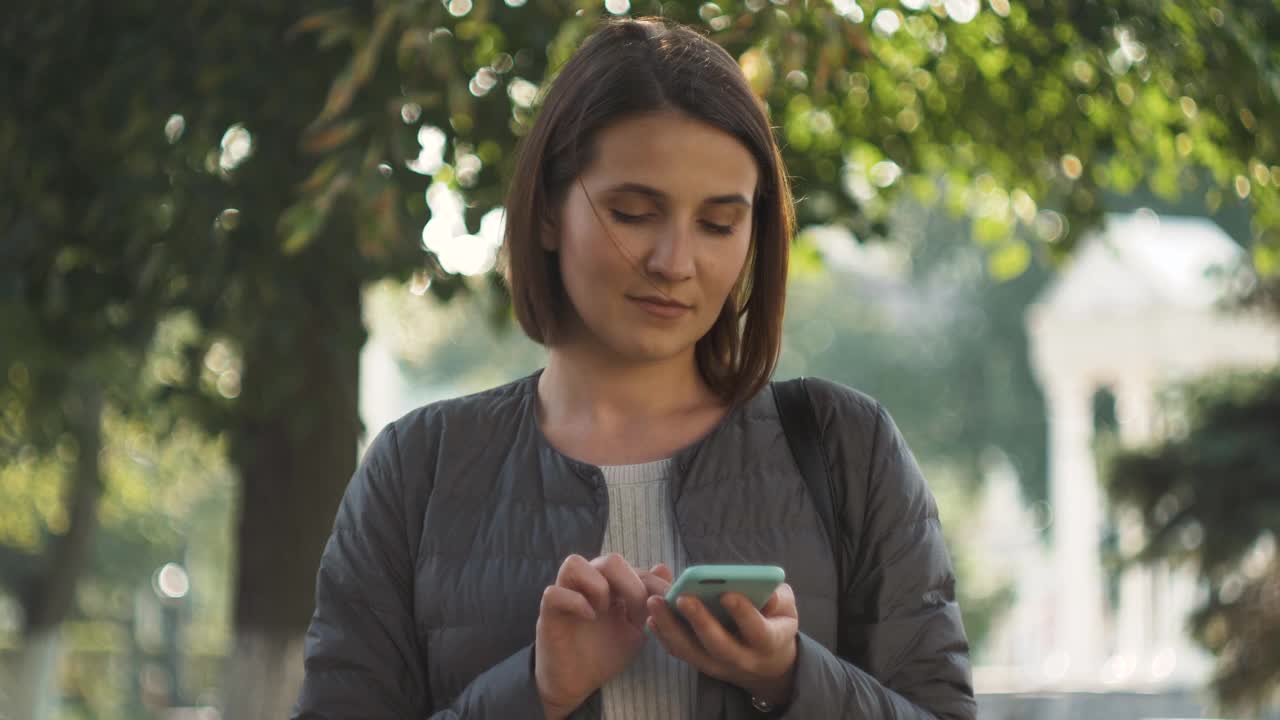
<point x="172" y="587"/>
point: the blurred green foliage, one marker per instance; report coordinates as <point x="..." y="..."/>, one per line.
<point x="1019" y="106"/>
<point x="167" y="496"/>
<point x="941" y="341"/>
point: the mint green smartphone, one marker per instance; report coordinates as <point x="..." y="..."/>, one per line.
<point x="709" y="582"/>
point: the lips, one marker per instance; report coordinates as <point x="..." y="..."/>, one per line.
<point x="661" y="307"/>
<point x="657" y="300"/>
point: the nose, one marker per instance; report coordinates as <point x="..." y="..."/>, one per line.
<point x="671" y="257"/>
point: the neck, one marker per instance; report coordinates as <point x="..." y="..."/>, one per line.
<point x="577" y="387"/>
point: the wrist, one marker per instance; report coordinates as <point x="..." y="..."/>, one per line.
<point x="553" y="707"/>
<point x="556" y="706"/>
<point x="557" y="710"/>
<point x="776" y="691"/>
<point x="553" y="713"/>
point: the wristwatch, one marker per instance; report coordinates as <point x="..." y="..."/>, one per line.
<point x="762" y="706"/>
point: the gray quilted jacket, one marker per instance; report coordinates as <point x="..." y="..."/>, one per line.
<point x="461" y="513"/>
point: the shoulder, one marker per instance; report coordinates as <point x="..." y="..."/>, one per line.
<point x="849" y="416"/>
<point x="835" y="402"/>
<point x="862" y="437"/>
<point x="411" y="456"/>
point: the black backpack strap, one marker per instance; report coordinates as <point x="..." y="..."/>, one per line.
<point x="800" y="424"/>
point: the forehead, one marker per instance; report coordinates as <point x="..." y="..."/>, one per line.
<point x="683" y="157"/>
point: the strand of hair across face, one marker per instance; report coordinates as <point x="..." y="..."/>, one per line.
<point x="631" y="260"/>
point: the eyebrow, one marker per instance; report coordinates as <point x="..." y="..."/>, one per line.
<point x="727" y="199"/>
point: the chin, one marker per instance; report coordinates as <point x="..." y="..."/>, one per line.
<point x="651" y="349"/>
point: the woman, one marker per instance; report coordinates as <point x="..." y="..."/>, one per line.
<point x="501" y="555"/>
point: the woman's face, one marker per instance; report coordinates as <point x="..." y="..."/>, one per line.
<point x="675" y="194"/>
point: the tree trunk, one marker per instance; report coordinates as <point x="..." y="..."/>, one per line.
<point x="265" y="676"/>
<point x="295" y="449"/>
<point x="52" y="595"/>
<point x="34" y="694"/>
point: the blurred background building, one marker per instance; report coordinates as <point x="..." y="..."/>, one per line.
<point x="1139" y="309"/>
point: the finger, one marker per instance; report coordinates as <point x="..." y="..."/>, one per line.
<point x="655" y="583"/>
<point x="781" y="604"/>
<point x="753" y="628"/>
<point x="557" y="599"/>
<point x="663" y="571"/>
<point x="678" y="639"/>
<point x="711" y="635"/>
<point x="578" y="574"/>
<point x="624" y="585"/>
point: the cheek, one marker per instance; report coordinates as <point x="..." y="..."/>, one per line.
<point x="729" y="267"/>
<point x="590" y="260"/>
<point x="592" y="253"/>
<point x="591" y="268"/>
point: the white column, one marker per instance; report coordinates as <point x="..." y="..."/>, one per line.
<point x="1183" y="596"/>
<point x="1137" y="641"/>
<point x="1077" y="528"/>
<point x="1159" y="597"/>
<point x="1134" y="623"/>
<point x="1135" y="409"/>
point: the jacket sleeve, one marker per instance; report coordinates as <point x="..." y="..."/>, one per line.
<point x="907" y="652"/>
<point x="363" y="658"/>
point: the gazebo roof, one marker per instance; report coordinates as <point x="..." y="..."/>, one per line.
<point x="1140" y="261"/>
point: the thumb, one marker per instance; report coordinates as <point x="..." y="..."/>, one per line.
<point x="781" y="603"/>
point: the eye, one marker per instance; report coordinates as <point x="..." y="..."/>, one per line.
<point x="627" y="218"/>
<point x="717" y="229"/>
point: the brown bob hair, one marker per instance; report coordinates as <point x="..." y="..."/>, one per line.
<point x="631" y="67"/>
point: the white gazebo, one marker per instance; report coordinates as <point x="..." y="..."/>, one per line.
<point x="1139" y="307"/>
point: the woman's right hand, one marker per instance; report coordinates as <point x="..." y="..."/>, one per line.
<point x="590" y="627"/>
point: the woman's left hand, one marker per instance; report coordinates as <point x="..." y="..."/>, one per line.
<point x="760" y="660"/>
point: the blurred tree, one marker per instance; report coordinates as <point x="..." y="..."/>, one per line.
<point x="98" y="491"/>
<point x="1018" y="106"/>
<point x="51" y="408"/>
<point x="121" y="141"/>
<point x="935" y="330"/>
<point x="259" y="162"/>
<point x="1210" y="496"/>
<point x="164" y="498"/>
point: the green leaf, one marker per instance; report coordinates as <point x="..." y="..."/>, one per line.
<point x="1009" y="261"/>
<point x="806" y="258"/>
<point x="300" y="224"/>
